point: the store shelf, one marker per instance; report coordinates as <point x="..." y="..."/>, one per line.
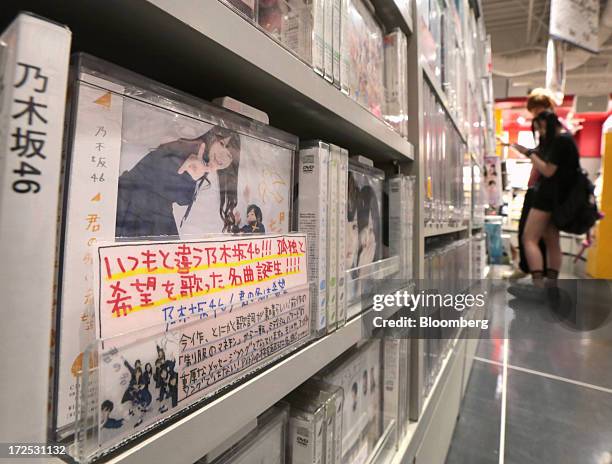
<point x="432" y="231"/>
<point x="206" y="49"/>
<point x="434" y="83"/>
<point x="410" y="443"/>
<point x="392" y="16"/>
<point x="191" y="437"/>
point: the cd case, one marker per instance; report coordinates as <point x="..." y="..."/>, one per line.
<point x="148" y="162"/>
<point x="366" y="270"/>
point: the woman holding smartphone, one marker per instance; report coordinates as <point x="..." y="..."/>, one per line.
<point x="557" y="161"/>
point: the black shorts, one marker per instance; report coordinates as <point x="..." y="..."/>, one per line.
<point x="544" y="198"/>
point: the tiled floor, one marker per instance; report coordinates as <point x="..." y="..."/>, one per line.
<point x="556" y="397"/>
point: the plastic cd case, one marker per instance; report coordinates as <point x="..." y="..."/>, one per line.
<point x="364" y="231"/>
<point x="396" y="81"/>
<point x="359" y="375"/>
<point x="312" y="218"/>
<point x="333" y="396"/>
<point x="146" y="161"/>
<point x="267" y="444"/>
<point x="307" y="429"/>
<point x="362" y="39"/>
<point x="299" y="25"/>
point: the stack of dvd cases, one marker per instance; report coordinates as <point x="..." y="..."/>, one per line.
<point x="446" y="156"/>
<point x="146" y="162"/>
<point x="321" y="209"/>
<point x="343" y="42"/>
<point x="315" y="425"/>
<point x="396" y="81"/>
<point x="358" y="373"/>
<point x="445" y="273"/>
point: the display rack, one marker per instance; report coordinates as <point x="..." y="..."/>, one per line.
<point x="209" y="51"/>
<point x="219" y="53"/>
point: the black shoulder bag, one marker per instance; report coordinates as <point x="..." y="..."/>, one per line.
<point x="578" y="213"/>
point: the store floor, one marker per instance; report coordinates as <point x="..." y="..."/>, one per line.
<point x="544" y="397"/>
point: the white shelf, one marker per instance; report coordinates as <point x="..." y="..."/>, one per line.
<point x="433" y="231"/>
<point x="434" y="83"/>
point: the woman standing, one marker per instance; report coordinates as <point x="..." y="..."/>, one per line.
<point x="557" y="161"/>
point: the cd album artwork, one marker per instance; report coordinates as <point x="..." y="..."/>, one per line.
<point x="148" y="162"/>
<point x="364" y="226"/>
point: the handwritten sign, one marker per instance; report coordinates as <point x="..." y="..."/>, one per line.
<point x="151" y="284"/>
<point x="147" y="379"/>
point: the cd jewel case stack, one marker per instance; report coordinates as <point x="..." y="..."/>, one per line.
<point x="321" y="207"/>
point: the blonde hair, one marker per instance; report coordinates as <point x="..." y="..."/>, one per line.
<point x="540" y="98"/>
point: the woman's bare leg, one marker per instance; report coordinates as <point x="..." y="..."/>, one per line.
<point x="535" y="228"/>
<point x="553" y="247"/>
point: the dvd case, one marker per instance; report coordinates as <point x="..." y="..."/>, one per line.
<point x="299" y="26"/>
<point x="344" y="48"/>
<point x="395" y="383"/>
<point x="147" y="161"/>
<point x="328" y="40"/>
<point x="334" y="400"/>
<point x="315" y="394"/>
<point x="364" y="226"/>
<point x="363" y="45"/>
<point x="267" y="444"/>
<point x="33" y="79"/>
<point x="313" y="217"/>
<point x="336" y="38"/>
<point x="397" y="220"/>
<point x="307" y="430"/>
<point x="342" y="202"/>
<point x="332" y="237"/>
<point x="396" y="83"/>
<point x="358" y="374"/>
<point x="247" y="8"/>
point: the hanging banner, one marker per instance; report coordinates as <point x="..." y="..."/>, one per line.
<point x="576" y="22"/>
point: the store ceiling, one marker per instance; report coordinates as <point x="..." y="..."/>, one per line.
<point x="520" y="28"/>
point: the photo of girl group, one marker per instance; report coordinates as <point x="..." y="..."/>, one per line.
<point x="183" y="178"/>
<point x="143" y="389"/>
